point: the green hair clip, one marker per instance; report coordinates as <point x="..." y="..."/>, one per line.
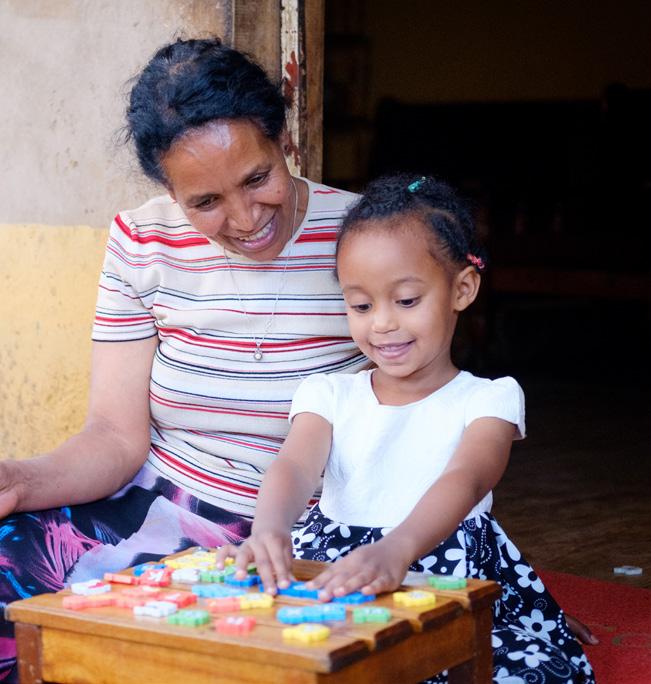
<point x="413" y="187"/>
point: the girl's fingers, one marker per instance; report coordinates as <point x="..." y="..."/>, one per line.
<point x="265" y="569"/>
<point x="224" y="552"/>
<point x="243" y="556"/>
<point x="273" y="558"/>
<point x="321" y="579"/>
<point x="376" y="586"/>
<point x="342" y="581"/>
<point x="281" y="560"/>
<point x="353" y="582"/>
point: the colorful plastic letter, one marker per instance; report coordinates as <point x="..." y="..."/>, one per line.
<point x="414" y="599"/>
<point x="290" y="615"/>
<point x="248" y="581"/>
<point x="447" y="582"/>
<point x="355" y="597"/>
<point x="90" y="587"/>
<point x="160" y="577"/>
<point x="143" y="567"/>
<point x="186" y="575"/>
<point x="180" y="598"/>
<point x="120" y="578"/>
<point x="224" y="604"/>
<point x="235" y="625"/>
<point x="306" y="634"/>
<point x="251" y="601"/>
<point x="155" y="609"/>
<point x="216" y="591"/>
<point x="190" y="617"/>
<point x="371" y="614"/>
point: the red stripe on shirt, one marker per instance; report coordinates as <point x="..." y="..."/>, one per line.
<point x="142" y="239"/>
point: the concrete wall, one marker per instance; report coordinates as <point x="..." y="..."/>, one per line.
<point x="64" y="68"/>
<point x="48" y="279"/>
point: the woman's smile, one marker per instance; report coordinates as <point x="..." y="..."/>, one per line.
<point x="233" y="184"/>
<point x="261" y="238"/>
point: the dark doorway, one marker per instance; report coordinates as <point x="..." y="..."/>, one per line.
<point x="539" y="113"/>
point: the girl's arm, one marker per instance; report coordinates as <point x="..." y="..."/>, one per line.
<point x="476" y="467"/>
<point x="286" y="489"/>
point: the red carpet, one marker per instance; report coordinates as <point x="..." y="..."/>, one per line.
<point x="619" y="615"/>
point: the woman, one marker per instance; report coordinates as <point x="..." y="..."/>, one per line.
<point x="221" y="298"/>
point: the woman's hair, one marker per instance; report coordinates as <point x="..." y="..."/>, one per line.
<point x="190" y="83"/>
<point x="447" y="217"/>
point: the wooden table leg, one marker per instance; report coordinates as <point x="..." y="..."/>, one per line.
<point x="479" y="670"/>
<point x="28" y="643"/>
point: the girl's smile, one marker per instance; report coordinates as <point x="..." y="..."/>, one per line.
<point x="402" y="305"/>
<point x="393" y="352"/>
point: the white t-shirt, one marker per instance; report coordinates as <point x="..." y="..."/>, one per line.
<point x="384" y="458"/>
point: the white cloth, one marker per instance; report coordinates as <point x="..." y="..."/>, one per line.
<point x="384" y="458"/>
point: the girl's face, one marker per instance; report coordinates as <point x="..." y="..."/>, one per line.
<point x="402" y="306"/>
<point x="233" y="184"/>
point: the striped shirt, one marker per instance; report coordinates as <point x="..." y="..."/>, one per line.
<point x="218" y="415"/>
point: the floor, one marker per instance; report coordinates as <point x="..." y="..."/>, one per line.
<point x="576" y="495"/>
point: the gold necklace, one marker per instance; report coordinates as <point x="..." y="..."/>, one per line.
<point x="257" y="354"/>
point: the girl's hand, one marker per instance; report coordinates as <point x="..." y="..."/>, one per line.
<point x="371" y="569"/>
<point x="581" y="631"/>
<point x="270" y="550"/>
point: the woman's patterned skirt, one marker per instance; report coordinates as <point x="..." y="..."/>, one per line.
<point x="151" y="517"/>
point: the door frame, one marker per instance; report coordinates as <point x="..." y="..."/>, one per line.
<point x="287" y="38"/>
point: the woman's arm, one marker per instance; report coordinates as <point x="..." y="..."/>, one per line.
<point x="110" y="448"/>
<point x="286" y="489"/>
<point x="475" y="468"/>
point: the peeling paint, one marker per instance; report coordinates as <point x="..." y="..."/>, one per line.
<point x="291" y="84"/>
<point x="290" y="58"/>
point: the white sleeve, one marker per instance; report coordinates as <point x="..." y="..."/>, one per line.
<point x="502" y="398"/>
<point x="314" y="395"/>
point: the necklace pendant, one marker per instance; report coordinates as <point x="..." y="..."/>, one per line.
<point x="257" y="355"/>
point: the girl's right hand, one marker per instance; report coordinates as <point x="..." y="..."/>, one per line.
<point x="270" y="550"/>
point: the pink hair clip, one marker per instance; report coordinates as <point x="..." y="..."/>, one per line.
<point x="476" y="261"/>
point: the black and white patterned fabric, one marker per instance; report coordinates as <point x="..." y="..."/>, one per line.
<point x="531" y="640"/>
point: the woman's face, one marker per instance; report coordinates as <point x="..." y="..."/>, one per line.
<point x="233" y="184"/>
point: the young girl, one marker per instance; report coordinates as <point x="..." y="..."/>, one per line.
<point x="411" y="449"/>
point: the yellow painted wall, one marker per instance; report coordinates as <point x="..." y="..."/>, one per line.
<point x="48" y="283"/>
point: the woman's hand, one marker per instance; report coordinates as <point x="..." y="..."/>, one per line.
<point x="371" y="569"/>
<point x="270" y="549"/>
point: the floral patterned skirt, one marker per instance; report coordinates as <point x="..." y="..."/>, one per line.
<point x="531" y="641"/>
<point x="150" y="517"/>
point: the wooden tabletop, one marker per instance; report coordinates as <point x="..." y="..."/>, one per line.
<point x="109" y="645"/>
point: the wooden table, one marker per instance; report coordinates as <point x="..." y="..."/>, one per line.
<point x="108" y="645"/>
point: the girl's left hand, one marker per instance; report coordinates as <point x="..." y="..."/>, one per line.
<point x="371" y="569"/>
